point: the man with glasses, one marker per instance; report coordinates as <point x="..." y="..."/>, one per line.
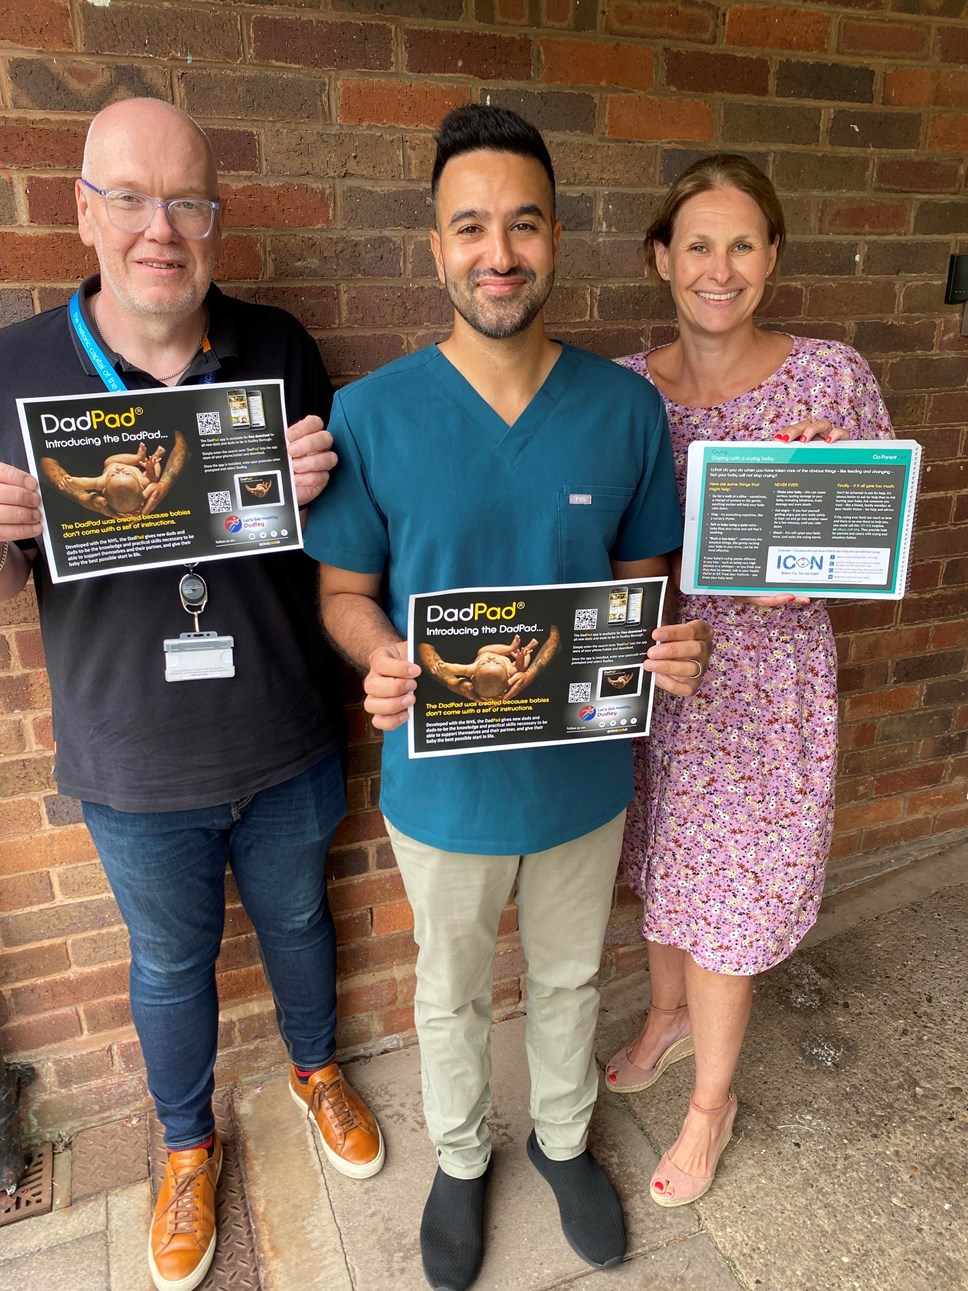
<point x="243" y="769"/>
<point x="191" y="217"/>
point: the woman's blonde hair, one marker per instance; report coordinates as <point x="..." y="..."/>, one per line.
<point x="718" y="170"/>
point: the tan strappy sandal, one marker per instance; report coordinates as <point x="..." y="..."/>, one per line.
<point x="623" y="1076"/>
<point x="671" y="1186"/>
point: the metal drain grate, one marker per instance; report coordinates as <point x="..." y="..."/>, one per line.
<point x="35" y="1192"/>
<point x="236" y="1265"/>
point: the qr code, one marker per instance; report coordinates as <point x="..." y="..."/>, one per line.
<point x="579" y="692"/>
<point x="220" y="504"/>
<point x="209" y="423"/>
<point x="586" y="620"/>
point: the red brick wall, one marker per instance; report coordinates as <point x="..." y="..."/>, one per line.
<point x="322" y="113"/>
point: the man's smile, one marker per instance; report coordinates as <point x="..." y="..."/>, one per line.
<point x="500" y="283"/>
<point x="160" y="264"/>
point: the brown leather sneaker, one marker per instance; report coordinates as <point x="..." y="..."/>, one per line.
<point x="347" y="1128"/>
<point x="181" y="1243"/>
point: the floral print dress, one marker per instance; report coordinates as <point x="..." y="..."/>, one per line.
<point x="729" y="830"/>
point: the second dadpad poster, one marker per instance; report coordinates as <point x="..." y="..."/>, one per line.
<point x="516" y="667"/>
<point x="161" y="477"/>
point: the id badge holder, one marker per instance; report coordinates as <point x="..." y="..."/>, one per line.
<point x="197" y="656"/>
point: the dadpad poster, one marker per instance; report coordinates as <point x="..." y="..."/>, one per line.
<point x="516" y="667"/>
<point x="97" y="460"/>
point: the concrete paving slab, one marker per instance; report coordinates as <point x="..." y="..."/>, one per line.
<point x="129" y="1217"/>
<point x="298" y="1240"/>
<point x="689" y="1264"/>
<point x="856" y="1123"/>
<point x="911" y="882"/>
<point x="56" y="1229"/>
<point x="81" y="1265"/>
<point x="379" y="1218"/>
<point x="849" y="1165"/>
<point x="526" y="1250"/>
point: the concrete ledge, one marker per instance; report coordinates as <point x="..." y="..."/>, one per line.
<point x="299" y="1242"/>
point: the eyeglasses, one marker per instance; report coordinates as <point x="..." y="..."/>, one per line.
<point x="190" y="217"/>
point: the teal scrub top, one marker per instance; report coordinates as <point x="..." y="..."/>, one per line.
<point x="436" y="491"/>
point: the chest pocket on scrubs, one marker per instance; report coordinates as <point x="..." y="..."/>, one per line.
<point x="589" y="516"/>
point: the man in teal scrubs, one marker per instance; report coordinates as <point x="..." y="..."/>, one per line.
<point x="499" y="457"/>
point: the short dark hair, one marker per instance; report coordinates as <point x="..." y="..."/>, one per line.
<point x="495" y="129"/>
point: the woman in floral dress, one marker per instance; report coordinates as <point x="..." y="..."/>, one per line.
<point x="729" y="832"/>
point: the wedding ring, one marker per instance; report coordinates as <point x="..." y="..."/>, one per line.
<point x="699" y="669"/>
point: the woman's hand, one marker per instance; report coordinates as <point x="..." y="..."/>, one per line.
<point x="804" y="431"/>
<point x="801" y="432"/>
<point x="680" y="656"/>
<point x="770" y="602"/>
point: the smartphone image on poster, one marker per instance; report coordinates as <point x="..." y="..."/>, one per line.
<point x="257" y="412"/>
<point x="238" y="408"/>
<point x="635" y="605"/>
<point x="618" y="603"/>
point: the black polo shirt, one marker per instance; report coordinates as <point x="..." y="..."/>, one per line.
<point x="126" y="737"/>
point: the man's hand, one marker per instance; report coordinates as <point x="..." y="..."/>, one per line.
<point x="389" y="686"/>
<point x="154" y="494"/>
<point x="681" y="647"/>
<point x="94" y="502"/>
<point x="19" y="505"/>
<point x="311" y="450"/>
<point x="516" y="684"/>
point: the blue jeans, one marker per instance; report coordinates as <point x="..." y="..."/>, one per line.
<point x="167" y="871"/>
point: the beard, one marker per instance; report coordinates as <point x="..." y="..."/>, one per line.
<point x="495" y="318"/>
<point x="146" y="303"/>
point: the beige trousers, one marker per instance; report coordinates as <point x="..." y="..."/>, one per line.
<point x="563" y="896"/>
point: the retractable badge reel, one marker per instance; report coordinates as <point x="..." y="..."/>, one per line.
<point x="197" y="655"/>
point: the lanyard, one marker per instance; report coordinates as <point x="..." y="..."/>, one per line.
<point x="108" y="374"/>
<point x="105" y="369"/>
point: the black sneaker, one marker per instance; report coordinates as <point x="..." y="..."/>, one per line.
<point x="588" y="1205"/>
<point x="452" y="1231"/>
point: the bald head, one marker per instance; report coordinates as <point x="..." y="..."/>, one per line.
<point x="148" y="128"/>
<point x="148" y="147"/>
